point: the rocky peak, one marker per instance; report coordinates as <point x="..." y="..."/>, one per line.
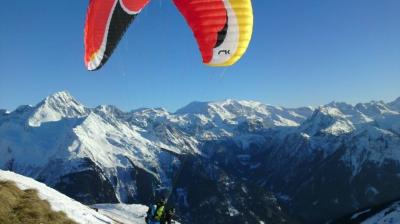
<point x="395" y="105"/>
<point x="55" y="107"/>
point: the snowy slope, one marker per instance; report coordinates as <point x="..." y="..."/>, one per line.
<point x="123" y="213"/>
<point x="395" y="105"/>
<point x="61" y="133"/>
<point x="244" y="109"/>
<point x="56" y="107"/>
<point x="387" y="213"/>
<point x="213" y="120"/>
<point x="342" y="158"/>
<point x="364" y="127"/>
<point x="115" y="140"/>
<point x="118" y="155"/>
<point x="390" y="215"/>
<point x="59" y="202"/>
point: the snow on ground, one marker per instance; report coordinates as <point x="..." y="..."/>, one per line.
<point x="390" y="215"/>
<point x="59" y="202"/>
<point x="123" y="213"/>
<point x="360" y="213"/>
<point x="107" y="213"/>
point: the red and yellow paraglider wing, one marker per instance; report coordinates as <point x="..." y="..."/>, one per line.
<point x="106" y="22"/>
<point x="223" y="28"/>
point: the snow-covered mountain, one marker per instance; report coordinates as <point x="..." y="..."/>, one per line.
<point x="388" y="213"/>
<point x="59" y="106"/>
<point x="300" y="155"/>
<point x="341" y="159"/>
<point x="60" y="133"/>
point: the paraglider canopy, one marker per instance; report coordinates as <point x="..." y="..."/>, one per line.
<point x="222" y="28"/>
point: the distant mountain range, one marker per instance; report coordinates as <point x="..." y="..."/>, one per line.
<point x="219" y="162"/>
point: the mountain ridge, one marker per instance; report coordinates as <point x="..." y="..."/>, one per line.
<point x="133" y="156"/>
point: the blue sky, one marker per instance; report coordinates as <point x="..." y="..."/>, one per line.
<point x="304" y="52"/>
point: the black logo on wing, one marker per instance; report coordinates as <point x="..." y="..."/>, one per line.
<point x="227" y="52"/>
